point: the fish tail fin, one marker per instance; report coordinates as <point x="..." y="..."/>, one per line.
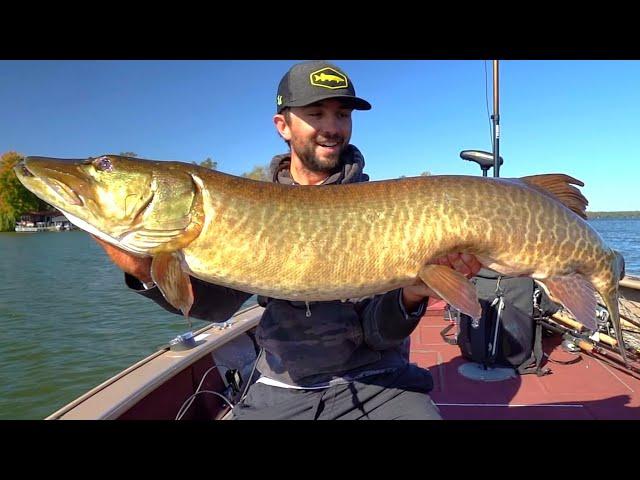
<point x="608" y="289"/>
<point x="577" y="294"/>
<point x="611" y="302"/>
<point x="559" y="186"/>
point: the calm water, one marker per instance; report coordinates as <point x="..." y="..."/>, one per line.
<point x="624" y="236"/>
<point x="69" y="322"/>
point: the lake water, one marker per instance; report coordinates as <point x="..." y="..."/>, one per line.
<point x="69" y="322"/>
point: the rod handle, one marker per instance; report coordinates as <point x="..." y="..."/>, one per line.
<point x="561" y="317"/>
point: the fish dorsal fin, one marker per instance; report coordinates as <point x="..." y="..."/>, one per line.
<point x="558" y="186"/>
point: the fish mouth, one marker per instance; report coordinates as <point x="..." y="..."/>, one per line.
<point x="64" y="191"/>
<point x="48" y="177"/>
<point x="24" y="171"/>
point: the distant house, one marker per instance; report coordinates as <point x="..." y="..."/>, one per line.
<point x="61" y="222"/>
<point x="49" y="220"/>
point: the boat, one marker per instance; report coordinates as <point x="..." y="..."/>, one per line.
<point x="200" y="376"/>
<point x="188" y="378"/>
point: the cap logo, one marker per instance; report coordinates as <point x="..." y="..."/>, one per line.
<point x="279" y="100"/>
<point x="328" y="78"/>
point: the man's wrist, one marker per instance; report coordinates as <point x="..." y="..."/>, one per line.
<point x="135" y="283"/>
<point x="410" y="308"/>
<point x="411" y="302"/>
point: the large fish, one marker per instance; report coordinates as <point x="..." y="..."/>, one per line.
<point x="336" y="241"/>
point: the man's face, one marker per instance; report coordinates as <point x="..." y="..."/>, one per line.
<point x="318" y="133"/>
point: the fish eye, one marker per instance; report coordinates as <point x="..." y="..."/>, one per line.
<point x="103" y="164"/>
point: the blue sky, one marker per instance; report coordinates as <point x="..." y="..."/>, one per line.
<point x="568" y="116"/>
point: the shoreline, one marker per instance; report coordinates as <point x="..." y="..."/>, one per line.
<point x="623" y="215"/>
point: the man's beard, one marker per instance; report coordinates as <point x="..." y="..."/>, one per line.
<point x="312" y="163"/>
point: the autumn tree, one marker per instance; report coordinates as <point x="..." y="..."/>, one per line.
<point x="15" y="199"/>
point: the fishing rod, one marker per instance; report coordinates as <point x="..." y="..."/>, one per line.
<point x="590" y="346"/>
<point x="625" y="319"/>
<point x="580" y="336"/>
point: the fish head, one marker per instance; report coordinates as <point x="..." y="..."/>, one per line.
<point x="142" y="206"/>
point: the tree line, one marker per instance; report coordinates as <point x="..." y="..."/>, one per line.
<point x="15" y="199"/>
<point x="624" y="214"/>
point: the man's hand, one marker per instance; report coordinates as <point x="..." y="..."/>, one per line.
<point x="139" y="267"/>
<point x="467" y="265"/>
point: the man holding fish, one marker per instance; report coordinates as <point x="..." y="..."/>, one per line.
<point x="330" y="359"/>
<point x="344" y="268"/>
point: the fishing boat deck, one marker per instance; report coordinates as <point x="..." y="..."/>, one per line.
<point x="587" y="389"/>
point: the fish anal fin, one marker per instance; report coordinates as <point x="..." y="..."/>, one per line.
<point x="453" y="287"/>
<point x="173" y="281"/>
<point x="577" y="295"/>
<point x="559" y="186"/>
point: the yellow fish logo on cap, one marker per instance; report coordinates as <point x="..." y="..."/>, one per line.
<point x="328" y="78"/>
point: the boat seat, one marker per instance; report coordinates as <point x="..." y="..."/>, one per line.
<point x="482" y="158"/>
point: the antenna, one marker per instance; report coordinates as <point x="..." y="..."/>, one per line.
<point x="496" y="119"/>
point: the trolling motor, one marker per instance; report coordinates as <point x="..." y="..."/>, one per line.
<point x="482" y="158"/>
<point x="486" y="160"/>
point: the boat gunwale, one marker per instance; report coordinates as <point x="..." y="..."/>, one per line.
<point x="106" y="405"/>
<point x="630" y="281"/>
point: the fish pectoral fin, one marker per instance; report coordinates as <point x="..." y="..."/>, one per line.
<point x="173" y="281"/>
<point x="453" y="287"/>
<point x="577" y="295"/>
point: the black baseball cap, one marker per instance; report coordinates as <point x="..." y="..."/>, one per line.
<point x="309" y="82"/>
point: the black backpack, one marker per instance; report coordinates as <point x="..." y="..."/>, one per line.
<point x="515" y="338"/>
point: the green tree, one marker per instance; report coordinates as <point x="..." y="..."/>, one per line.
<point x="128" y="154"/>
<point x="15" y="199"/>
<point x="208" y="163"/>
<point x="423" y="174"/>
<point x="259" y="172"/>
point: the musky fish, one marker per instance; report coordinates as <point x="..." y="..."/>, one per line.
<point x="328" y="77"/>
<point x="336" y="242"/>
